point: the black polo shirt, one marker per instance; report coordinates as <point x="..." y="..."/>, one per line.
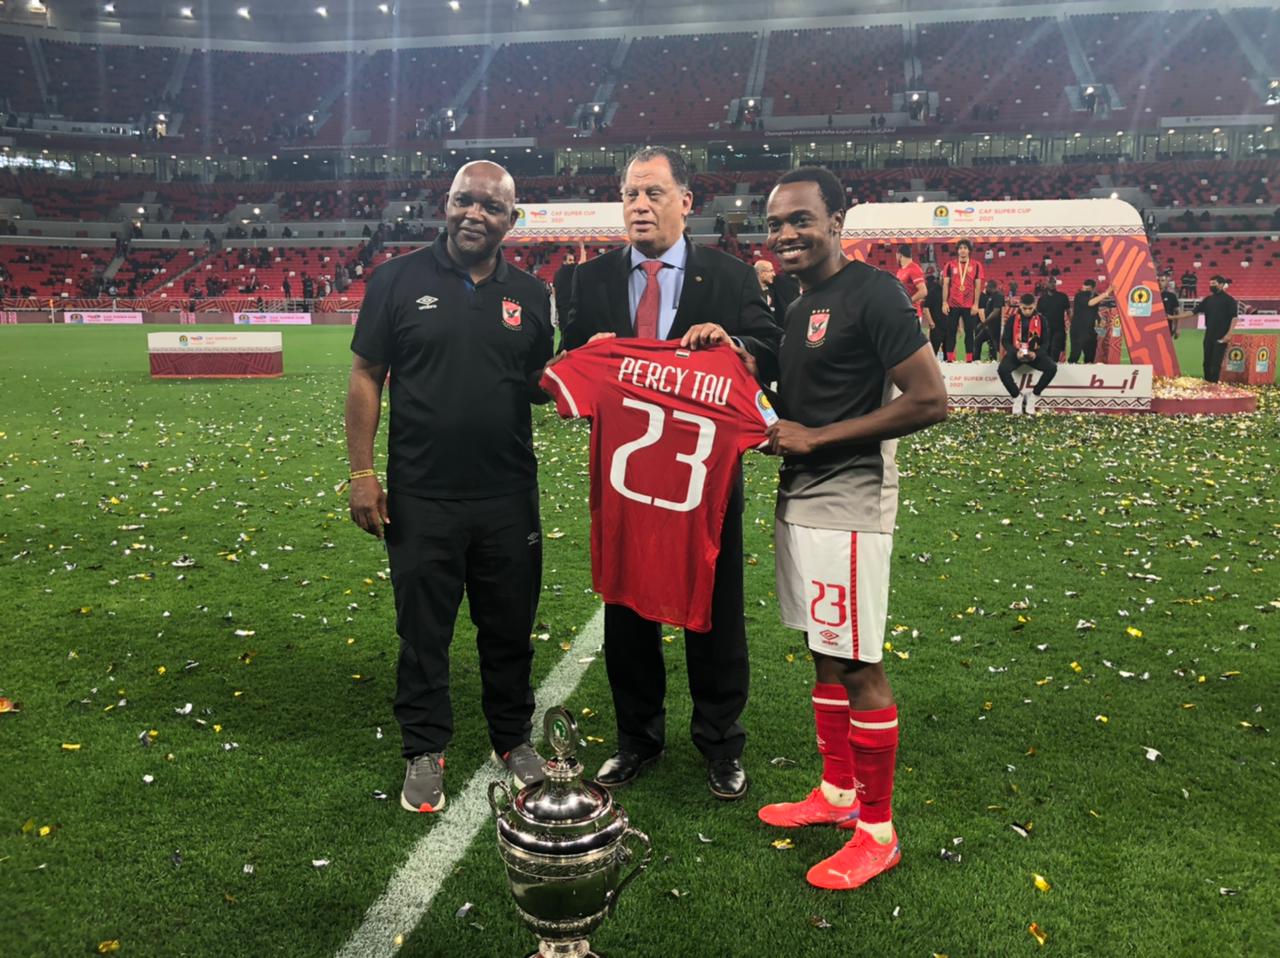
<point x="1053" y="307"/>
<point x="1219" y="310"/>
<point x="462" y="358"/>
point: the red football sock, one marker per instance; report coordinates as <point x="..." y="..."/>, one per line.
<point x="968" y="357"/>
<point x="873" y="735"/>
<point x="951" y="357"/>
<point x="831" y="716"/>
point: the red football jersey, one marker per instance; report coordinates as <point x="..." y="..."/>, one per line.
<point x="966" y="280"/>
<point x="667" y="428"/>
<point x="911" y="276"/>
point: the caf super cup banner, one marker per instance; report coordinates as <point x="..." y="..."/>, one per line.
<point x="567" y="222"/>
<point x="103" y="319"/>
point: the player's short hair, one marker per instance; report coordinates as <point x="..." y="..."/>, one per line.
<point x="679" y="168"/>
<point x="966" y="244"/>
<point x="1218" y="278"/>
<point x="828" y="183"/>
<point x="904" y="250"/>
<point x="1091" y="283"/>
<point x="1027" y="299"/>
<point x="992" y="284"/>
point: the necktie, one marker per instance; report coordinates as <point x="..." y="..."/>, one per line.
<point x="650" y="301"/>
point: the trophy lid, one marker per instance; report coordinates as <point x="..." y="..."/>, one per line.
<point x="562" y="814"/>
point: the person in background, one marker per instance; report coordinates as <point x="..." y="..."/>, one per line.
<point x="1055" y="308"/>
<point x="1024" y="339"/>
<point x="991" y="305"/>
<point x="1220" y="311"/>
<point x="1085" y="320"/>
<point x="962" y="280"/>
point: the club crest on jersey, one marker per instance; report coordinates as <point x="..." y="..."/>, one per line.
<point x="510" y="314"/>
<point x="818" y="327"/>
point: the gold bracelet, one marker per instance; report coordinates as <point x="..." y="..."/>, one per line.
<point x="362" y="474"/>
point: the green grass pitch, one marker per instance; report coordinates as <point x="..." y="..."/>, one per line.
<point x="1068" y="592"/>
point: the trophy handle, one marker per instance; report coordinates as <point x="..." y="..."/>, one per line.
<point x="640" y="866"/>
<point x="494" y="788"/>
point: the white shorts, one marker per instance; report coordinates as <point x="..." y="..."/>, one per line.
<point x="834" y="587"/>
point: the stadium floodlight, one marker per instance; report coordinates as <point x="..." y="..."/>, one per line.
<point x="322" y="12"/>
<point x="384" y="8"/>
<point x="1115" y="195"/>
<point x="915" y="98"/>
<point x="35" y="6"/>
<point x="1217" y="129"/>
<point x="108" y="8"/>
<point x="455" y="6"/>
<point x="187" y="13"/>
<point x="242" y="12"/>
<point x="142" y="210"/>
<point x="1088" y="90"/>
<point x="449" y="113"/>
<point x="523" y="3"/>
<point x="1267" y="129"/>
<point x="595" y="108"/>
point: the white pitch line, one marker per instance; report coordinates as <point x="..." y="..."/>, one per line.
<point x="416" y="883"/>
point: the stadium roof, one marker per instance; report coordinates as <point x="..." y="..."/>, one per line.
<point x="321" y="21"/>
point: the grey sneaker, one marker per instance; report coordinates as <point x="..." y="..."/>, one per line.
<point x="424" y="783"/>
<point x="524" y="764"/>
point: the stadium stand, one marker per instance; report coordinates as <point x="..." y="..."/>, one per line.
<point x="834" y="71"/>
<point x="535" y="87"/>
<point x="1010" y="71"/>
<point x="395" y="90"/>
<point x="698" y="75"/>
<point x="260" y="96"/>
<point x="1168" y="63"/>
<point x="107" y="83"/>
<point x="19" y="87"/>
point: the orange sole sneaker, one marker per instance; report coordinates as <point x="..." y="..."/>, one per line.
<point x="812" y="810"/>
<point x="861" y="859"/>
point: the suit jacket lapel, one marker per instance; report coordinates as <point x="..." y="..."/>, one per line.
<point x="619" y="293"/>
<point x="693" y="295"/>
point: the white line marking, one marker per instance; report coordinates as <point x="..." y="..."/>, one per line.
<point x="416" y="883"/>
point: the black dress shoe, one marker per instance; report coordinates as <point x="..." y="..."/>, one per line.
<point x="623" y="766"/>
<point x="726" y="778"/>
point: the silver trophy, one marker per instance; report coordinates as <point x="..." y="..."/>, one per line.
<point x="566" y="845"/>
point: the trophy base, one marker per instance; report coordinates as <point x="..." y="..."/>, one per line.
<point x="565" y="949"/>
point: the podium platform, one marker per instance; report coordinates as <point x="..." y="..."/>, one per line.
<point x="1084" y="387"/>
<point x="215" y="355"/>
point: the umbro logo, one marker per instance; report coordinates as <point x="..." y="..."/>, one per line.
<point x="427" y="302"/>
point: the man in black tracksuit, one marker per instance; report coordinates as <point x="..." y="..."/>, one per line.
<point x="1054" y="306"/>
<point x="991" y="311"/>
<point x="1085" y="320"/>
<point x="1220" y="311"/>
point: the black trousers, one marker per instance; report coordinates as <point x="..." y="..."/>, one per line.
<point x="938" y="336"/>
<point x="1056" y="345"/>
<point x="1214" y="352"/>
<point x="971" y="324"/>
<point x="1048" y="369"/>
<point x="988" y="334"/>
<point x="492" y="548"/>
<point x="949" y="324"/>
<point x="716" y="660"/>
<point x="1084" y="344"/>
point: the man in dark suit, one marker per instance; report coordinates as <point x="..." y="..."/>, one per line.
<point x="562" y="283"/>
<point x="663" y="286"/>
<point x="779" y="289"/>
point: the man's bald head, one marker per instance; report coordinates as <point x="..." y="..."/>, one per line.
<point x="485" y="171"/>
<point x="764" y="271"/>
<point x="480" y="212"/>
